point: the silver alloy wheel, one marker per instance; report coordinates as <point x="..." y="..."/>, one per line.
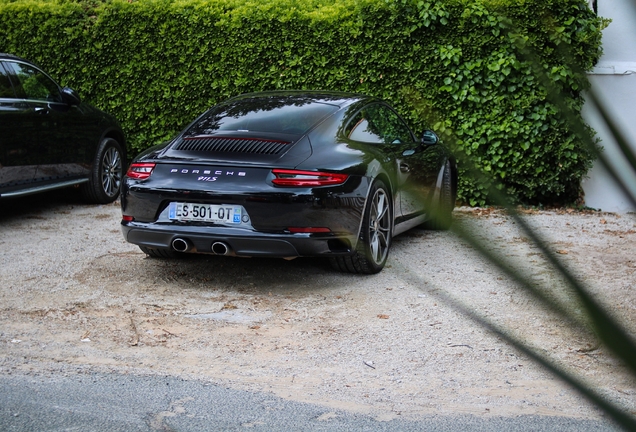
<point x="376" y="231"/>
<point x="379" y="227"/>
<point x="112" y="170"/>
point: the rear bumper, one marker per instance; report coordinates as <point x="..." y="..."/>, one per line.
<point x="239" y="242"/>
<point x="274" y="218"/>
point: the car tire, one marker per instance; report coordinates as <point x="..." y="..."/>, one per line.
<point x="375" y="237"/>
<point x="105" y="178"/>
<point x="442" y="217"/>
<point x="160" y="253"/>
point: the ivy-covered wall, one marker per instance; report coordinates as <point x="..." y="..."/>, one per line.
<point x="451" y="65"/>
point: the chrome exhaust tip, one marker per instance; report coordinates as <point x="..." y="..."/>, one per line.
<point x="220" y="248"/>
<point x="181" y="245"/>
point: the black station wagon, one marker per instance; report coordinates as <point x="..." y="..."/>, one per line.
<point x="50" y="139"/>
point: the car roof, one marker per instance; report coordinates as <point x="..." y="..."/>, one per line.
<point x="6" y="56"/>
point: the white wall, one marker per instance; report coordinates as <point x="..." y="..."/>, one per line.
<point x="614" y="79"/>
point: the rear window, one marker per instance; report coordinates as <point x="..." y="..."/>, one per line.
<point x="278" y="115"/>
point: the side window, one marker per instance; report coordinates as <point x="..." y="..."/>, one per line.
<point x="6" y="90"/>
<point x="33" y="84"/>
<point x="378" y="124"/>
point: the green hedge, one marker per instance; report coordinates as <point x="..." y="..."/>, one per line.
<point x="452" y="65"/>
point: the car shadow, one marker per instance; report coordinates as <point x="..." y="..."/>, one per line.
<point x="247" y="275"/>
<point x="240" y="265"/>
<point x="31" y="205"/>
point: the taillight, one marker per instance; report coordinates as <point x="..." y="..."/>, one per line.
<point x="296" y="178"/>
<point x="126" y="218"/>
<point x="140" y="171"/>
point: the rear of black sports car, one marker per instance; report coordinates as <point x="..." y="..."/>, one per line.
<point x="251" y="177"/>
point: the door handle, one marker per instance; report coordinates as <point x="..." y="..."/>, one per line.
<point x="404" y="167"/>
<point x="41" y="111"/>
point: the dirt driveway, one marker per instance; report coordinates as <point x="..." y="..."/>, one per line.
<point x="75" y="298"/>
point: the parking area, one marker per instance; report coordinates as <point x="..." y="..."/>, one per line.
<point x="75" y="297"/>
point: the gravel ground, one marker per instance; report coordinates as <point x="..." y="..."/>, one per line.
<point x="75" y="297"/>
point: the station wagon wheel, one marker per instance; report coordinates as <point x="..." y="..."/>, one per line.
<point x="111" y="171"/>
<point x="375" y="237"/>
<point x="106" y="173"/>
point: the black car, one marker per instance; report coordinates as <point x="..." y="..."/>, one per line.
<point x="49" y="139"/>
<point x="289" y="174"/>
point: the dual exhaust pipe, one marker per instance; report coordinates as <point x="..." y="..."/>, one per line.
<point x="184" y="245"/>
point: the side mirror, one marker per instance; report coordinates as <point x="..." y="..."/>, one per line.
<point x="429" y="137"/>
<point x="70" y="96"/>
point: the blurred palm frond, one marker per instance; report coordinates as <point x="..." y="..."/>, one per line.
<point x="596" y="321"/>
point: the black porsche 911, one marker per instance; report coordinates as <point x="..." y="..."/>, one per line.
<point x="289" y="174"/>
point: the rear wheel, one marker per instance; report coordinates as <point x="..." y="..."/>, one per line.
<point x="442" y="214"/>
<point x="374" y="242"/>
<point x="104" y="183"/>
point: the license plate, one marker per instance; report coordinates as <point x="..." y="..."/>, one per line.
<point x="206" y="213"/>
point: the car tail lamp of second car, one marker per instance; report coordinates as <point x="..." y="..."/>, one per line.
<point x="296" y="178"/>
<point x="140" y="171"/>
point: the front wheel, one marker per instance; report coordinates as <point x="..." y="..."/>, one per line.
<point x="375" y="238"/>
<point x="104" y="183"/>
